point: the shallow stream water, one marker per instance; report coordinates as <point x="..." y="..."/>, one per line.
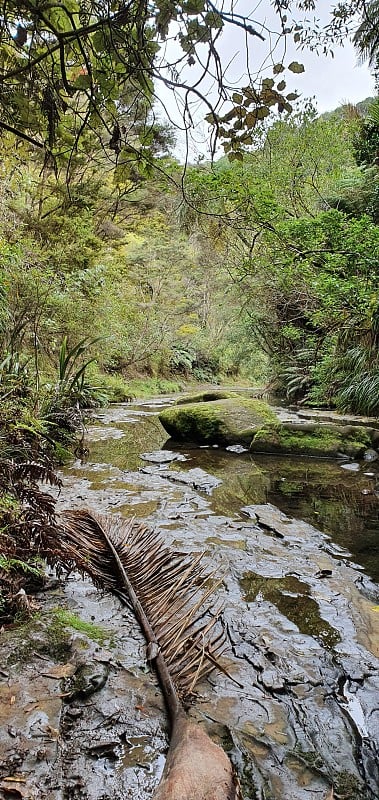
<point x="341" y="498"/>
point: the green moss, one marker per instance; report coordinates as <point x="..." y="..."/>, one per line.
<point x="50" y="635"/>
<point x="44" y="635"/>
<point x="311" y="759"/>
<point x="192" y="422"/>
<point x="220" y="421"/>
<point x="67" y="619"/>
<point x="325" y="441"/>
<point x="206" y="397"/>
<point x="349" y="787"/>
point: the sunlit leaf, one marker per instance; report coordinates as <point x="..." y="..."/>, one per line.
<point x="251" y="119"/>
<point x="295" y="67"/>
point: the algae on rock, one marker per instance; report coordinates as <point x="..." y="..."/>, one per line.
<point x="312" y="439"/>
<point x="205" y="397"/>
<point x="229" y="421"/>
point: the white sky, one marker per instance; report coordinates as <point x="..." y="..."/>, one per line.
<point x="331" y="81"/>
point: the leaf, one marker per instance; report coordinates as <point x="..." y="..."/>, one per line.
<point x="193" y="6"/>
<point x="292" y="96"/>
<point x="167" y="590"/>
<point x="213" y="20"/>
<point x="281" y="86"/>
<point x="232" y="113"/>
<point x="60" y="671"/>
<point x="251" y="119"/>
<point x="278" y="68"/>
<point x="263" y="112"/>
<point x="295" y="67"/>
<point x="237" y="98"/>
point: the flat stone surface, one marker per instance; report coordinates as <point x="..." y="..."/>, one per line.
<point x="196" y="478"/>
<point x="303" y="640"/>
<point x="163" y="456"/>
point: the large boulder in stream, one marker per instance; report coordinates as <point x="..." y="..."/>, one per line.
<point x="312" y="439"/>
<point x="215" y="418"/>
<point x="228" y="421"/>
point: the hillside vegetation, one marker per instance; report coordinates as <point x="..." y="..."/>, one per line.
<point x="114" y="282"/>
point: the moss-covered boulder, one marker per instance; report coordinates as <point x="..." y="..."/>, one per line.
<point x="230" y="421"/>
<point x="206" y="397"/>
<point x="311" y="439"/>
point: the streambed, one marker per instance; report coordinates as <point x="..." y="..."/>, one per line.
<point x="290" y="538"/>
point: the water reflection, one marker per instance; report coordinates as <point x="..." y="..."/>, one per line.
<point x="342" y="503"/>
<point x="291" y="597"/>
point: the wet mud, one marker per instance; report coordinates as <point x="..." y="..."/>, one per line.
<point x="81" y="713"/>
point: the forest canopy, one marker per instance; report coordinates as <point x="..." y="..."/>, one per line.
<point x="80" y="66"/>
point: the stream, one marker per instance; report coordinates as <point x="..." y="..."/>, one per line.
<point x="297" y="544"/>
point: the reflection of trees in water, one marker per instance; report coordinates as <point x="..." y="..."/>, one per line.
<point x="125" y="452"/>
<point x="292" y="599"/>
<point x="334" y="502"/>
<point x="240" y="489"/>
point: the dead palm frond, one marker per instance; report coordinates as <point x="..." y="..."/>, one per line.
<point x="167" y="590"/>
<point x="169" y="593"/>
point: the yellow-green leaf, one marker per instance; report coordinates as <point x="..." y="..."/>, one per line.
<point x="295" y="67"/>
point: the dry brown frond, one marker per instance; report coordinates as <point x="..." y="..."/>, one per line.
<point x="169" y="592"/>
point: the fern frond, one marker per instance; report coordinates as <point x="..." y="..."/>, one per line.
<point x="35" y="472"/>
<point x="168" y="591"/>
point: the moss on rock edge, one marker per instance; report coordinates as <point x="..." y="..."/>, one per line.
<point x="324" y="441"/>
<point x="230" y="421"/>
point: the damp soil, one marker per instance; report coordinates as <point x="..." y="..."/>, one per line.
<point x="296" y="541"/>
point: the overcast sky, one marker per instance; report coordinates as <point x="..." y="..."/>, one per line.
<point x="331" y="81"/>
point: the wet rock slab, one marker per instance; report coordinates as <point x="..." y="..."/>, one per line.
<point x="196" y="478"/>
<point x="87" y="721"/>
<point x="303" y="642"/>
<point x="163" y="456"/>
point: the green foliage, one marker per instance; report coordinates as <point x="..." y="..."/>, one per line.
<point x="70" y="74"/>
<point x="71" y="387"/>
<point x="307" y="276"/>
<point x="359" y="384"/>
<point x="33" y="567"/>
